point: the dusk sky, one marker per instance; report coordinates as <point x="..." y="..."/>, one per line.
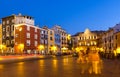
<point x="72" y="15"/>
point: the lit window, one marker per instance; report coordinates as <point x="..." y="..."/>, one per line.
<point x="35" y="36"/>
<point x="12" y="20"/>
<point x="84" y="38"/>
<point x="7" y="21"/>
<point x="7" y="34"/>
<point x="91" y="43"/>
<point x="35" y="43"/>
<point x="46" y="32"/>
<point x="3" y="29"/>
<point x="35" y="29"/>
<point x="3" y="22"/>
<point x="45" y="41"/>
<point x="42" y="41"/>
<point x="16" y="35"/>
<point x="95" y="43"/>
<point x="28" y="42"/>
<point x="12" y="33"/>
<point x="7" y="28"/>
<point x="42" y="32"/>
<point x="28" y="28"/>
<point x="12" y="27"/>
<point x="89" y="37"/>
<point x="7" y="42"/>
<point x="80" y="44"/>
<point x="28" y="35"/>
<point x="3" y="36"/>
<point x="12" y="42"/>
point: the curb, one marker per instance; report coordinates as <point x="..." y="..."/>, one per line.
<point x="21" y="59"/>
<point x="30" y="58"/>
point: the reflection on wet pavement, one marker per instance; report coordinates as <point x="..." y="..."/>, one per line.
<point x="62" y="67"/>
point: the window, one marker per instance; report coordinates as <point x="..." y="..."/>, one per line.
<point x="42" y="41"/>
<point x="84" y="38"/>
<point x="28" y="35"/>
<point x="46" y="32"/>
<point x="50" y="32"/>
<point x="51" y="38"/>
<point x="94" y="37"/>
<point x="12" y="42"/>
<point x="80" y="44"/>
<point x="35" y="29"/>
<point x="12" y="20"/>
<point x="3" y="36"/>
<point x="7" y="28"/>
<point x="7" y="42"/>
<point x="3" y="23"/>
<point x="46" y="36"/>
<point x="7" y="21"/>
<point x="12" y="33"/>
<point x="79" y="38"/>
<point x="89" y="37"/>
<point x="7" y="34"/>
<point x="42" y="32"/>
<point x="116" y="37"/>
<point x="28" y="42"/>
<point x="28" y="28"/>
<point x="3" y="29"/>
<point x="35" y="36"/>
<point x="16" y="35"/>
<point x="45" y="41"/>
<point x="35" y="43"/>
<point x="12" y="28"/>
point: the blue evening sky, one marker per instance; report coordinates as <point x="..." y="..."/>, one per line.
<point x="73" y="15"/>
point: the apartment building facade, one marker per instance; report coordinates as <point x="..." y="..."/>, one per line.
<point x="83" y="41"/>
<point x="19" y="34"/>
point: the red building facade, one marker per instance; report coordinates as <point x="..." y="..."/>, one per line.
<point x="27" y="38"/>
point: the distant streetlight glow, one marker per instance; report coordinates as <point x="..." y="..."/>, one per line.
<point x="54" y="48"/>
<point x="41" y="48"/>
<point x="2" y="47"/>
<point x="64" y="49"/>
<point x="21" y="47"/>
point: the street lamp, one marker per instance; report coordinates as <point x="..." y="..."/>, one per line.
<point x="41" y="48"/>
<point x="54" y="48"/>
<point x="2" y="47"/>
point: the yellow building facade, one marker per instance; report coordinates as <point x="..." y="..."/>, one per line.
<point x="51" y="41"/>
<point x="117" y="43"/>
<point x="88" y="40"/>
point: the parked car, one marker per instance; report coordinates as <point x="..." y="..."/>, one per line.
<point x="58" y="54"/>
